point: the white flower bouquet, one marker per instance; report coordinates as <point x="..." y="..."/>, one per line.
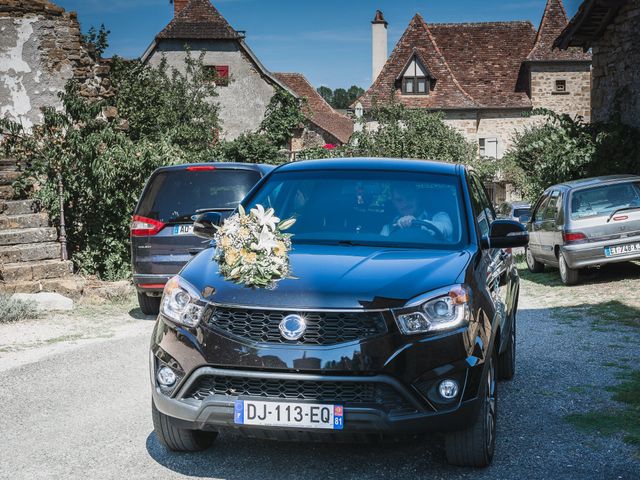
<point x="252" y="248"/>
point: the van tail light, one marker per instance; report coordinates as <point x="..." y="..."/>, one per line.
<point x="145" y="227"/>
<point x="573" y="237"/>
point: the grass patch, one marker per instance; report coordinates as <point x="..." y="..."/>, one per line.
<point x="614" y="311"/>
<point x="624" y="420"/>
<point x="12" y="310"/>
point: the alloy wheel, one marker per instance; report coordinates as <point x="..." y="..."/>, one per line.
<point x="490" y="415"/>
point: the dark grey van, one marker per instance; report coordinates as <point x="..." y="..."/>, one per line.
<point x="585" y="223"/>
<point x="162" y="239"/>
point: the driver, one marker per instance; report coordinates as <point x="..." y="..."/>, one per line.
<point x="405" y="201"/>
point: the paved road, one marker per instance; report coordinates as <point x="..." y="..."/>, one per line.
<point x="85" y="414"/>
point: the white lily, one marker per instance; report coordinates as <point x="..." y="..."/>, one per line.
<point x="266" y="241"/>
<point x="266" y="218"/>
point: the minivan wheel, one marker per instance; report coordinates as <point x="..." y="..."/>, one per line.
<point x="148" y="305"/>
<point x="475" y="446"/>
<point x="533" y="265"/>
<point x="569" y="276"/>
<point x="179" y="439"/>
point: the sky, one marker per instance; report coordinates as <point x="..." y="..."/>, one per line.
<point x="329" y="41"/>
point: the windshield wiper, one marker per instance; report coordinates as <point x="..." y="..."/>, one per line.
<point x="215" y="209"/>
<point x="623" y="209"/>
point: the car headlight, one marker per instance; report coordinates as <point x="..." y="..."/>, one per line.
<point x="181" y="302"/>
<point x="442" y="310"/>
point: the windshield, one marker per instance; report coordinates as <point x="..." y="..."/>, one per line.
<point x="175" y="195"/>
<point x="368" y="207"/>
<point x="604" y="200"/>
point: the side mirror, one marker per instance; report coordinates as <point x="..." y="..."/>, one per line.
<point x="506" y="234"/>
<point x="204" y="224"/>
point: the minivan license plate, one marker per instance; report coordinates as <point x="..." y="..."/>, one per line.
<point x="621" y="249"/>
<point x="183" y="229"/>
<point x="283" y="414"/>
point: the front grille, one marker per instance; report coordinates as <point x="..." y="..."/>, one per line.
<point x="348" y="394"/>
<point x="323" y="328"/>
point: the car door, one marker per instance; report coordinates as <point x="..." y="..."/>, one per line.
<point x="535" y="225"/>
<point x="495" y="259"/>
<point x="548" y="227"/>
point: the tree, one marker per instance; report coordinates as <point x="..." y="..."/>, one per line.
<point x="326" y="93"/>
<point x="99" y="40"/>
<point x="354" y="93"/>
<point x="340" y="99"/>
<point x="283" y="115"/>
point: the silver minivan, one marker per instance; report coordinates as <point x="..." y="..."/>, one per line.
<point x="585" y="223"/>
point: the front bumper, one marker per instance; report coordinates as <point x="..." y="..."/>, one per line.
<point x="411" y="415"/>
<point x="592" y="254"/>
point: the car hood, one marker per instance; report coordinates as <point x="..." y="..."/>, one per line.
<point x="337" y="277"/>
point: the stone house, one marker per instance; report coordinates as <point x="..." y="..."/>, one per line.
<point x="40" y="50"/>
<point x="483" y="76"/>
<point x="245" y="86"/>
<point x="611" y="30"/>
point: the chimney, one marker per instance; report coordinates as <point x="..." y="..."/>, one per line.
<point x="179" y="5"/>
<point x="378" y="44"/>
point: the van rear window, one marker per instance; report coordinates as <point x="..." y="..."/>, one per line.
<point x="175" y="195"/>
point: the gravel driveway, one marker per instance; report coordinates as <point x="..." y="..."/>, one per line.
<point x="77" y="413"/>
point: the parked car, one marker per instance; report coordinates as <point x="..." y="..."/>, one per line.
<point x="389" y="324"/>
<point x="520" y="211"/>
<point x="162" y="238"/>
<point x="585" y="223"/>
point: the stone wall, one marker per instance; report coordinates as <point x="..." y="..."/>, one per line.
<point x="576" y="100"/>
<point x="243" y="102"/>
<point x="40" y="50"/>
<point x="616" y="68"/>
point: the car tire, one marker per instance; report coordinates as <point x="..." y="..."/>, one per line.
<point x="507" y="359"/>
<point x="569" y="276"/>
<point x="533" y="265"/>
<point x="148" y="305"/>
<point x="475" y="446"/>
<point x="179" y="439"/>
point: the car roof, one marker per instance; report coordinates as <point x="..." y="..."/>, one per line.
<point x="256" y="167"/>
<point x="372" y="163"/>
<point x="587" y="182"/>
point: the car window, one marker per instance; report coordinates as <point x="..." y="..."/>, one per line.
<point x="552" y="207"/>
<point x="175" y="195"/>
<point x="540" y="209"/>
<point x="364" y="207"/>
<point x="481" y="208"/>
<point x="522" y="214"/>
<point x="604" y="199"/>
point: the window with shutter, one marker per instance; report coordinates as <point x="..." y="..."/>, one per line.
<point x="219" y="74"/>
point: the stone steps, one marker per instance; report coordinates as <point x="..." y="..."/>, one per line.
<point x="8" y="164"/>
<point x="8" y="177"/>
<point x="29" y="252"/>
<point x="28" y="235"/>
<point x="70" y="286"/>
<point x="6" y="192"/>
<point x="29" y="220"/>
<point x="19" y="207"/>
<point x="33" y="271"/>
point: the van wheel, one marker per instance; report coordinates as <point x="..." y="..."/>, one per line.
<point x="569" y="276"/>
<point x="533" y="265"/>
<point x="475" y="446"/>
<point x="179" y="439"/>
<point x="148" y="305"/>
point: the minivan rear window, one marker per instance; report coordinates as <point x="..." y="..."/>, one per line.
<point x="523" y="214"/>
<point x="604" y="200"/>
<point x="175" y="195"/>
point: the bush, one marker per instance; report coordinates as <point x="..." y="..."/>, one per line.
<point x="564" y="149"/>
<point x="101" y="164"/>
<point x="13" y="310"/>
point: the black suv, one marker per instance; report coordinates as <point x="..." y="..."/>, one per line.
<point x="162" y="238"/>
<point x="399" y="317"/>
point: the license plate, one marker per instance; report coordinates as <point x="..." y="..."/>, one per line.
<point x="183" y="229"/>
<point x="621" y="249"/>
<point x="281" y="414"/>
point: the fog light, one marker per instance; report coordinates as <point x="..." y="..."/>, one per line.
<point x="166" y="377"/>
<point x="448" y="389"/>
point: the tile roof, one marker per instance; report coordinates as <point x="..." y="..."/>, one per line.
<point x="199" y="20"/>
<point x="319" y="111"/>
<point x="588" y="24"/>
<point x="554" y="21"/>
<point x="475" y="65"/>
